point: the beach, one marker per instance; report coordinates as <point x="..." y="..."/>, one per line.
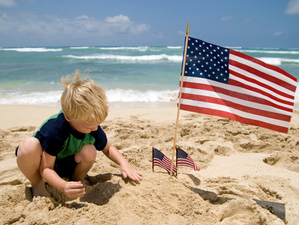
<point x="241" y="167"/>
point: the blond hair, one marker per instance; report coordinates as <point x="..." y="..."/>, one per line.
<point x="83" y="100"/>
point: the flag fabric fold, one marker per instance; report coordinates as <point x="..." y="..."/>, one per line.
<point x="227" y="83"/>
<point x="183" y="159"/>
<point x="159" y="159"/>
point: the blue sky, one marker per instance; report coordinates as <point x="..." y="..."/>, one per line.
<point x="233" y="23"/>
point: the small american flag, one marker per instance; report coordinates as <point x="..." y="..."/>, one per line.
<point x="183" y="159"/>
<point x="223" y="82"/>
<point x="159" y="159"/>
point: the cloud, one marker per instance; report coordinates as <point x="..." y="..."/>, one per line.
<point x="123" y="24"/>
<point x="292" y="7"/>
<point x="226" y="18"/>
<point x="118" y="19"/>
<point x="48" y="26"/>
<point x="82" y="17"/>
<point x="278" y="33"/>
<point x="7" y="3"/>
<point x="182" y="33"/>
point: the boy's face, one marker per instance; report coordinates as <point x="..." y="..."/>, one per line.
<point x="82" y="127"/>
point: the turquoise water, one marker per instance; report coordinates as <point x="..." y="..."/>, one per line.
<point x="145" y="75"/>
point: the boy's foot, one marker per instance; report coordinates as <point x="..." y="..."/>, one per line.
<point x="40" y="190"/>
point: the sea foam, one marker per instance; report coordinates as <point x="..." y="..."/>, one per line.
<point x="140" y="48"/>
<point x="79" y="47"/>
<point x="268" y="51"/>
<point x="33" y="98"/>
<point x="32" y="49"/>
<point x="122" y="95"/>
<point x="113" y="95"/>
<point x="278" y="61"/>
<point x="174" y="58"/>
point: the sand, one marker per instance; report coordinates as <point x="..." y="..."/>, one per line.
<point x="239" y="163"/>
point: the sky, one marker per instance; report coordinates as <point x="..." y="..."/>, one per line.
<point x="230" y="23"/>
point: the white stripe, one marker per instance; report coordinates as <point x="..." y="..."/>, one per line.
<point x="237" y="89"/>
<point x="235" y="112"/>
<point x="233" y="77"/>
<point x="264" y="69"/>
<point x="235" y="100"/>
<point x="180" y="163"/>
<point x="166" y="166"/>
<point x="264" y="81"/>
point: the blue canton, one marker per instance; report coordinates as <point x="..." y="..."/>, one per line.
<point x="206" y="60"/>
<point x="182" y="154"/>
<point x="158" y="155"/>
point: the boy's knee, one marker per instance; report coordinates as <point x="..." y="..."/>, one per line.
<point x="88" y="153"/>
<point x="29" y="145"/>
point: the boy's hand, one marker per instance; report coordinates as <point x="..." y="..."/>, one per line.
<point x="128" y="171"/>
<point x="74" y="189"/>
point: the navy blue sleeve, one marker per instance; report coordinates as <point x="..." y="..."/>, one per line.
<point x="52" y="135"/>
<point x="101" y="139"/>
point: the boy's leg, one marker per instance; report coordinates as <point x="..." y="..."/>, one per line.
<point x="85" y="158"/>
<point x="28" y="159"/>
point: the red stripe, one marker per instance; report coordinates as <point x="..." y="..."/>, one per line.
<point x="261" y="75"/>
<point x="184" y="163"/>
<point x="275" y="68"/>
<point x="239" y="95"/>
<point x="233" y="105"/>
<point x="165" y="164"/>
<point x="257" y="90"/>
<point x="180" y="163"/>
<point x="220" y="113"/>
<point x="187" y="162"/>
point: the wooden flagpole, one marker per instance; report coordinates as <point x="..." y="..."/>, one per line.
<point x="180" y="97"/>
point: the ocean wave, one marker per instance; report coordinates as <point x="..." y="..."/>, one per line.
<point x="32" y="49"/>
<point x="173" y="58"/>
<point x="141" y="48"/>
<point x="175" y="47"/>
<point x="113" y="95"/>
<point x="122" y="95"/>
<point x="278" y="61"/>
<point x="52" y="98"/>
<point x="79" y="47"/>
<point x="269" y="51"/>
<point x="33" y="98"/>
<point x="234" y="47"/>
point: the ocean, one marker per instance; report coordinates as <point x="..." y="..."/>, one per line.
<point x="132" y="76"/>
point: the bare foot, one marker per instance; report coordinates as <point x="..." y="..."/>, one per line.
<point x="40" y="190"/>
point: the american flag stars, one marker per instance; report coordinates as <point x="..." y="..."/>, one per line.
<point x="207" y="61"/>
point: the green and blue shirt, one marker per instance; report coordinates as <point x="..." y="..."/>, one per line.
<point x="59" y="139"/>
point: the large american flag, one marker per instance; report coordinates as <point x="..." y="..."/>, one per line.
<point x="159" y="159"/>
<point x="183" y="159"/>
<point x="224" y="82"/>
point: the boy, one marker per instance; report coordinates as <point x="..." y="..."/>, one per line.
<point x="66" y="144"/>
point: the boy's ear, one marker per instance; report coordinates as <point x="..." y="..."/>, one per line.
<point x="67" y="119"/>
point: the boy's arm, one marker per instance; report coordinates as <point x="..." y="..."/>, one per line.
<point x="126" y="169"/>
<point x="71" y="189"/>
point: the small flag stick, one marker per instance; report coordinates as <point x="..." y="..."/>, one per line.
<point x="153" y="159"/>
<point x="180" y="96"/>
<point x="176" y="161"/>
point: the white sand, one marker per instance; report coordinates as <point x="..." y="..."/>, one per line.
<point x="238" y="163"/>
